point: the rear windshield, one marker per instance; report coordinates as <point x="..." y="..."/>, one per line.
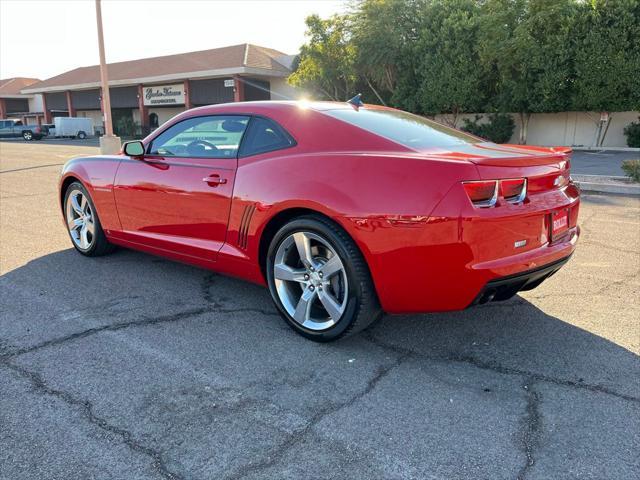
<point x="405" y="128"/>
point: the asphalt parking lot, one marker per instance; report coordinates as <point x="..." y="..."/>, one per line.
<point x="134" y="367"/>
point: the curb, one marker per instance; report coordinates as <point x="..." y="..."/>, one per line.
<point x="604" y="149"/>
<point x="604" y="184"/>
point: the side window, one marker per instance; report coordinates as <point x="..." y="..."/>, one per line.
<point x="202" y="137"/>
<point x="264" y="135"/>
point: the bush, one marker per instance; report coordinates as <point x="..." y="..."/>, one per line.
<point x="498" y="129"/>
<point x="632" y="169"/>
<point x="632" y="132"/>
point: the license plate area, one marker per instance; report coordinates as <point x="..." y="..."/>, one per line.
<point x="559" y="223"/>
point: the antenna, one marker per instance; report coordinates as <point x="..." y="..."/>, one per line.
<point x="356" y="101"/>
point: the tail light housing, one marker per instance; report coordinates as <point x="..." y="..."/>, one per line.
<point x="553" y="181"/>
<point x="514" y="190"/>
<point x="485" y="193"/>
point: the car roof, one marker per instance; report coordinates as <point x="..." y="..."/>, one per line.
<point x="278" y="105"/>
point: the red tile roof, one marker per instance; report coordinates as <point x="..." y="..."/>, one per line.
<point x="12" y="86"/>
<point x="233" y="57"/>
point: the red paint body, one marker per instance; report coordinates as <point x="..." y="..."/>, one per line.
<point x="427" y="246"/>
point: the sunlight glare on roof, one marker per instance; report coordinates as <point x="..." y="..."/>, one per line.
<point x="304" y="103"/>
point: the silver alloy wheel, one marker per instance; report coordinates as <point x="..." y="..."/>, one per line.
<point x="80" y="220"/>
<point x="311" y="280"/>
<point x="27" y="135"/>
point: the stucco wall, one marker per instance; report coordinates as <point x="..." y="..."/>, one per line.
<point x="566" y="128"/>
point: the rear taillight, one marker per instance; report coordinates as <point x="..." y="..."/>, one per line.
<point x="37" y="129"/>
<point x="483" y="193"/>
<point x="513" y="190"/>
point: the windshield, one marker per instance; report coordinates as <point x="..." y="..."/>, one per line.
<point x="410" y="130"/>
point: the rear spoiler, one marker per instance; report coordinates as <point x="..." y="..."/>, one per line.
<point x="524" y="156"/>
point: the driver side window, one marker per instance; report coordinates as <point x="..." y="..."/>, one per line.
<point x="202" y="137"/>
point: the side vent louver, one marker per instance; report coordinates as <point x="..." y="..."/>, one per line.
<point x="243" y="232"/>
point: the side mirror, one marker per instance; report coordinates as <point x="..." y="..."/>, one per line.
<point x="133" y="149"/>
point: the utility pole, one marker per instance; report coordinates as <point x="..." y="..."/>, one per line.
<point x="109" y="143"/>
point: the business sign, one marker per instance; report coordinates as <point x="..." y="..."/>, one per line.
<point x="230" y="83"/>
<point x="164" y="95"/>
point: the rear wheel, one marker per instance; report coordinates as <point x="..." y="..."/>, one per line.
<point x="83" y="223"/>
<point x="27" y="135"/>
<point x="319" y="280"/>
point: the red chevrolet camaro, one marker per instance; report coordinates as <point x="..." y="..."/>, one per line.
<point x="342" y="211"/>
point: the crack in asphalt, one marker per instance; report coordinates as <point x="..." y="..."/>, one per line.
<point x="497" y="368"/>
<point x="107" y="328"/>
<point x="88" y="411"/>
<point x="186" y="314"/>
<point x="532" y="427"/>
<point x="279" y="452"/>
<point x="209" y="281"/>
<point x="31" y="168"/>
<point x="213" y="306"/>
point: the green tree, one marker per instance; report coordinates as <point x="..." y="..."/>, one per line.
<point x="326" y="65"/>
<point x="525" y="50"/>
<point x="446" y="59"/>
<point x="607" y="58"/>
<point x="384" y="32"/>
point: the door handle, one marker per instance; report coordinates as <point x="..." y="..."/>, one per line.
<point x="214" y="180"/>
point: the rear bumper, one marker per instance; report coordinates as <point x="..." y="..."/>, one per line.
<point x="506" y="287"/>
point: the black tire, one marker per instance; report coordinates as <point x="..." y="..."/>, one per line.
<point x="27" y="135"/>
<point x="99" y="245"/>
<point x="362" y="309"/>
<point x="82" y="135"/>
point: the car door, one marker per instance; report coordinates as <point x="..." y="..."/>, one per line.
<point x="5" y="128"/>
<point x="178" y="196"/>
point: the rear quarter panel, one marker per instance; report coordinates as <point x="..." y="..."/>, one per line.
<point x="378" y="198"/>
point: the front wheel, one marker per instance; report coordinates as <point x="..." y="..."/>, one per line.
<point x="83" y="223"/>
<point x="82" y="135"/>
<point x="319" y="280"/>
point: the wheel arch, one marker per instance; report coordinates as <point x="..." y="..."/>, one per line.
<point x="68" y="180"/>
<point x="281" y="218"/>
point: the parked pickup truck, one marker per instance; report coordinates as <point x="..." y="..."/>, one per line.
<point x="14" y="128"/>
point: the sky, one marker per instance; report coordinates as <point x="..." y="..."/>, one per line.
<point x="43" y="38"/>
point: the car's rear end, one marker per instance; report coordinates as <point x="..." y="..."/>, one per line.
<point x="519" y="219"/>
